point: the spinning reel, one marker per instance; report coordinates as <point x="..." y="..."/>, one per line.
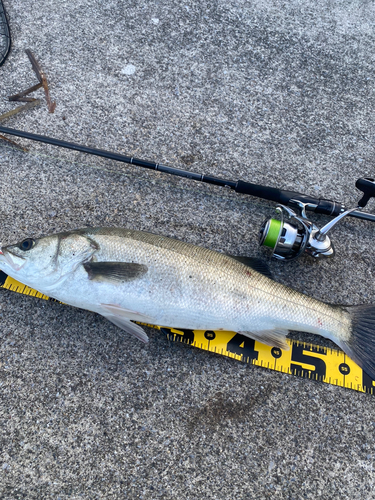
<point x="299" y="235"/>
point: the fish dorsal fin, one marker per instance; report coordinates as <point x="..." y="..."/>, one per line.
<point x="274" y="338"/>
<point x="114" y="272"/>
<point x="257" y="264"/>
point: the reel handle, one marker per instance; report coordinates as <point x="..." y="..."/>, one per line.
<point x="364" y="184"/>
<point x="367" y="186"/>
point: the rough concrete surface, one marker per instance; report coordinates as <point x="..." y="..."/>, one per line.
<point x="279" y="93"/>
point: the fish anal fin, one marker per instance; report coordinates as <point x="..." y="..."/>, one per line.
<point x="114" y="272"/>
<point x="274" y="338"/>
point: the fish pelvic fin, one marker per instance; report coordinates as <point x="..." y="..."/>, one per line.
<point x="125" y="324"/>
<point x="274" y="338"/>
<point x="361" y="344"/>
<point x="119" y="311"/>
<point x="123" y="318"/>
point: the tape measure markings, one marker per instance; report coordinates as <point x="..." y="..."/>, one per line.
<point x="303" y="359"/>
<point x="15" y="286"/>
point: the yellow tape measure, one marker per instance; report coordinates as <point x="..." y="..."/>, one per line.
<point x="323" y="364"/>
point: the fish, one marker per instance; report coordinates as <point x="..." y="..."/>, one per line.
<point x="131" y="276"/>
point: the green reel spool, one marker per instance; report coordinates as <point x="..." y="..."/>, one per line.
<point x="271" y="233"/>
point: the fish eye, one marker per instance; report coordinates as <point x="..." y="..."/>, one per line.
<point x="27" y="244"/>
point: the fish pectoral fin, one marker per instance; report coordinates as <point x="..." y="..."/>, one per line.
<point x="121" y="312"/>
<point x="125" y="324"/>
<point x="274" y="338"/>
<point x="114" y="272"/>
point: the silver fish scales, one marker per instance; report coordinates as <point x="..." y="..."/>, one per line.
<point x="127" y="275"/>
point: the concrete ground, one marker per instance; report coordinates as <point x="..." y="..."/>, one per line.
<point x="279" y="93"/>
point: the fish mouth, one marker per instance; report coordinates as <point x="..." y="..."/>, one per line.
<point x="14" y="261"/>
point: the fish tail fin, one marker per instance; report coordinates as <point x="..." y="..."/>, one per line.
<point x="360" y="346"/>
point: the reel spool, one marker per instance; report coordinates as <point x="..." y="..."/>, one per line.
<point x="290" y="239"/>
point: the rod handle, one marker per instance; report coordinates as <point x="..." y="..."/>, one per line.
<point x="319" y="206"/>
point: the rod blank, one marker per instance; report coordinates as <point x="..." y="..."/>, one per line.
<point x="317" y="205"/>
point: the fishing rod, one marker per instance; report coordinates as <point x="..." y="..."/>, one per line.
<point x="5" y="40"/>
<point x="288" y="240"/>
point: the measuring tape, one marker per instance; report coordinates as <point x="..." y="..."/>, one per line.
<point x="314" y="362"/>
